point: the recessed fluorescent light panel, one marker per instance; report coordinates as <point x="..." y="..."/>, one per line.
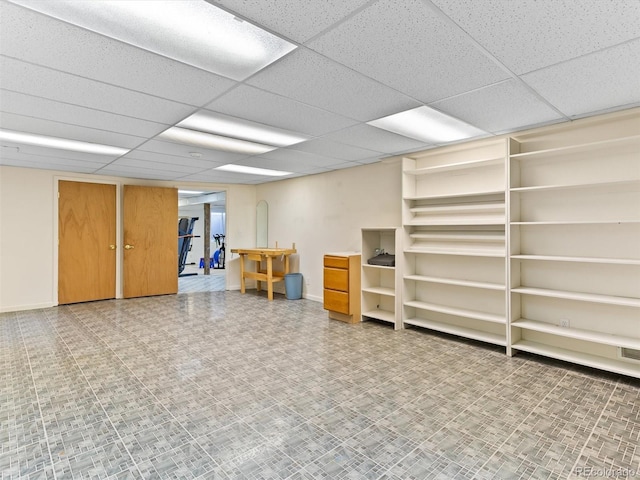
<point x="252" y="170"/>
<point x="227" y="126"/>
<point x="427" y="125"/>
<point x="60" y="143"/>
<point x="189" y="192"/>
<point x="215" y="142"/>
<point x="189" y="31"/>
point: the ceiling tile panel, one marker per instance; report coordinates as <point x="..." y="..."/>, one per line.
<point x="307" y="158"/>
<point x="500" y="65"/>
<point x="342" y="166"/>
<point x="315" y="80"/>
<point x="38" y="81"/>
<point x="506" y="106"/>
<point x="61" y="46"/>
<point x="20" y="123"/>
<point x="188" y="161"/>
<point x="37" y="107"/>
<point x="136" y="172"/>
<point x="178" y="149"/>
<point x="414" y="50"/>
<point x="600" y="81"/>
<point x="297" y="165"/>
<point x="277" y="110"/>
<point x="218" y="176"/>
<point x="160" y="166"/>
<point x="294" y="19"/>
<point x="47" y="163"/>
<point x="366" y="136"/>
<point x="28" y="156"/>
<point x="328" y="148"/>
<point x="366" y="161"/>
<point x="530" y="34"/>
<point x="54" y="153"/>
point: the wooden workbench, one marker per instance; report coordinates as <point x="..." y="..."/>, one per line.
<point x="263" y="275"/>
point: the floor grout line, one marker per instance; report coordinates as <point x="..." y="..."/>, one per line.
<point x="135" y="464"/>
<point x="217" y="383"/>
<point x="524" y="420"/>
<point x="35" y="388"/>
<point x="193" y="438"/>
<point x="593" y="429"/>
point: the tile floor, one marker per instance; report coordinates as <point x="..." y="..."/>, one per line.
<point x="215" y="282"/>
<point x="228" y="386"/>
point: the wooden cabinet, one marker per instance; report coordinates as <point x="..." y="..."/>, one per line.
<point x="342" y="286"/>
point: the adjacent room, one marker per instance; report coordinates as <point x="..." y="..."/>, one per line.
<point x="377" y="239"/>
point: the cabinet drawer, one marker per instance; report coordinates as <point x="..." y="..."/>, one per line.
<point x="336" y="262"/>
<point x="336" y="279"/>
<point x="336" y="301"/>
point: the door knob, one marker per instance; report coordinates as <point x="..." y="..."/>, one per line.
<point x="128" y="247"/>
<point x="112" y="247"/>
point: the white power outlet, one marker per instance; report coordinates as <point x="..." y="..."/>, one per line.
<point x="564" y="323"/>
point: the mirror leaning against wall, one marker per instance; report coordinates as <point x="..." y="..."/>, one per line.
<point x="262" y="222"/>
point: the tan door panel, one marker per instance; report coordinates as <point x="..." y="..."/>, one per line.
<point x="150" y="216"/>
<point x="86" y="242"/>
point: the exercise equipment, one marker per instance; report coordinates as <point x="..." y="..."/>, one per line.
<point x="185" y="234"/>
<point x="219" y="254"/>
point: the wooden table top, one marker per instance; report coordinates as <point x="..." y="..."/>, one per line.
<point x="266" y="252"/>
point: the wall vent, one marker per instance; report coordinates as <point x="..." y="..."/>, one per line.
<point x="630" y="354"/>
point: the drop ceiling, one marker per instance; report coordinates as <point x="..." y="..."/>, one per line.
<point x="498" y="65"/>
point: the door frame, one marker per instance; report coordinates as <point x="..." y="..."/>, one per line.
<point x="119" y="251"/>
<point x="119" y="223"/>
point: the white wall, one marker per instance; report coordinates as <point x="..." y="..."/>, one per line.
<point x="28" y="226"/>
<point x="26" y="239"/>
<point x="319" y="213"/>
<point x="325" y="212"/>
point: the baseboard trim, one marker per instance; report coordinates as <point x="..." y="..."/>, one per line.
<point x="21" y="308"/>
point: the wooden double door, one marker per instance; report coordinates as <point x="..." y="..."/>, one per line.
<point x="88" y="250"/>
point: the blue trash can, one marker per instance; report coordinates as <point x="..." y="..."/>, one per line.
<point x="293" y="286"/>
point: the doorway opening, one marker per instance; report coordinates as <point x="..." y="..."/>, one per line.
<point x="205" y="213"/>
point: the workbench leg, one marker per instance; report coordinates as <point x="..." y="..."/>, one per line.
<point x="241" y="273"/>
<point x="258" y="282"/>
<point x="270" y="277"/>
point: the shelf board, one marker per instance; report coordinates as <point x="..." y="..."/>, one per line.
<point x="497" y="253"/>
<point x="557" y="258"/>
<point x="451" y="221"/>
<point x="460" y="312"/>
<point x="578" y="334"/>
<point x="575" y="148"/>
<point x="456" y="330"/>
<point x="381" y="315"/>
<point x="497" y="237"/>
<point x="453" y="281"/>
<point x="455" y="195"/>
<point x="581" y="222"/>
<point x="380" y="291"/>
<point x="594" y="361"/>
<point x="383" y="267"/>
<point x="460" y="208"/>
<point x="546" y="188"/>
<point x="456" y="166"/>
<point x="582" y="297"/>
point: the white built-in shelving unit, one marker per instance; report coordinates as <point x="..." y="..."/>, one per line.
<point x="454" y="217"/>
<point x="530" y="241"/>
<point x="574" y="249"/>
<point x="381" y="292"/>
